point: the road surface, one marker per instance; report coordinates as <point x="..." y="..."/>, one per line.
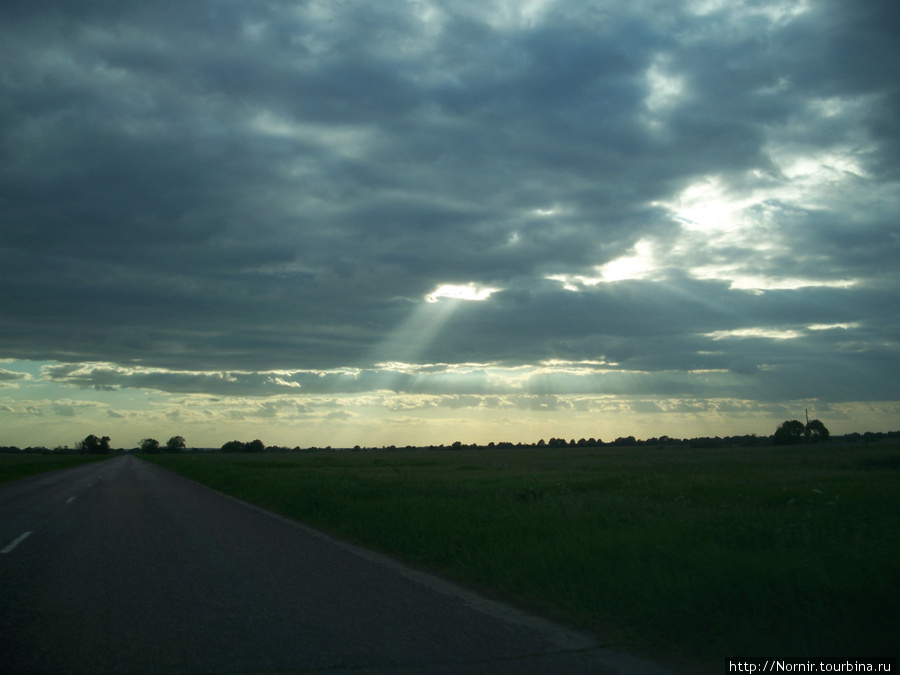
<point x="124" y="567"/>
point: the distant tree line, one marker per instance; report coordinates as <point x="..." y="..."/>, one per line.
<point x="790" y="432"/>
<point x="100" y="445"/>
<point x="36" y="450"/>
<point x="787" y="433"/>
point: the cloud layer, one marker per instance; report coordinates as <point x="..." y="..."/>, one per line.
<point x="698" y="198"/>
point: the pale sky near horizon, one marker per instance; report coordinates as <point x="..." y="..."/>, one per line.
<point x="415" y="222"/>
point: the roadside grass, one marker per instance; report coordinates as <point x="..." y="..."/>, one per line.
<point x="691" y="556"/>
<point x="21" y="465"/>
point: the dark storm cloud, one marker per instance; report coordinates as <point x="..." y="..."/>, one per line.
<point x="244" y="187"/>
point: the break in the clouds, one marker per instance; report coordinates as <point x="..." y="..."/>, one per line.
<point x="280" y="201"/>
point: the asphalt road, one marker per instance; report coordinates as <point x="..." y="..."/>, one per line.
<point x="123" y="567"/>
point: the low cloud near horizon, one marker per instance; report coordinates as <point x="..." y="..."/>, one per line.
<point x="416" y="222"/>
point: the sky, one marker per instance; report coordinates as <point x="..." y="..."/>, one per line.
<point x="329" y="223"/>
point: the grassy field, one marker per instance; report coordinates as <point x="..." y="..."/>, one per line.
<point x="21" y="465"/>
<point x="690" y="556"/>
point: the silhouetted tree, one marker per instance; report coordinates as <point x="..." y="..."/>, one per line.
<point x="789" y="433"/>
<point x="794" y="431"/>
<point x="816" y="431"/>
<point x="238" y="446"/>
<point x="255" y="446"/>
<point x="150" y="446"/>
<point x="175" y="444"/>
<point x="94" y="445"/>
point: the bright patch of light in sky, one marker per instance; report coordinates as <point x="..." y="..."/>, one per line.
<point x="760" y="283"/>
<point x="707" y="206"/>
<point x="766" y="333"/>
<point x="543" y="213"/>
<point x="833" y="326"/>
<point x="827" y="166"/>
<point x="774" y="11"/>
<point x="665" y="87"/>
<point x="641" y="264"/>
<point x="470" y="292"/>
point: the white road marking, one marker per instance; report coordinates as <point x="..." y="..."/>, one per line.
<point x="10" y="546"/>
<point x="70" y="500"/>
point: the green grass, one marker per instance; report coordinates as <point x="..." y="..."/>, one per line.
<point x="21" y="465"/>
<point x="691" y="556"/>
